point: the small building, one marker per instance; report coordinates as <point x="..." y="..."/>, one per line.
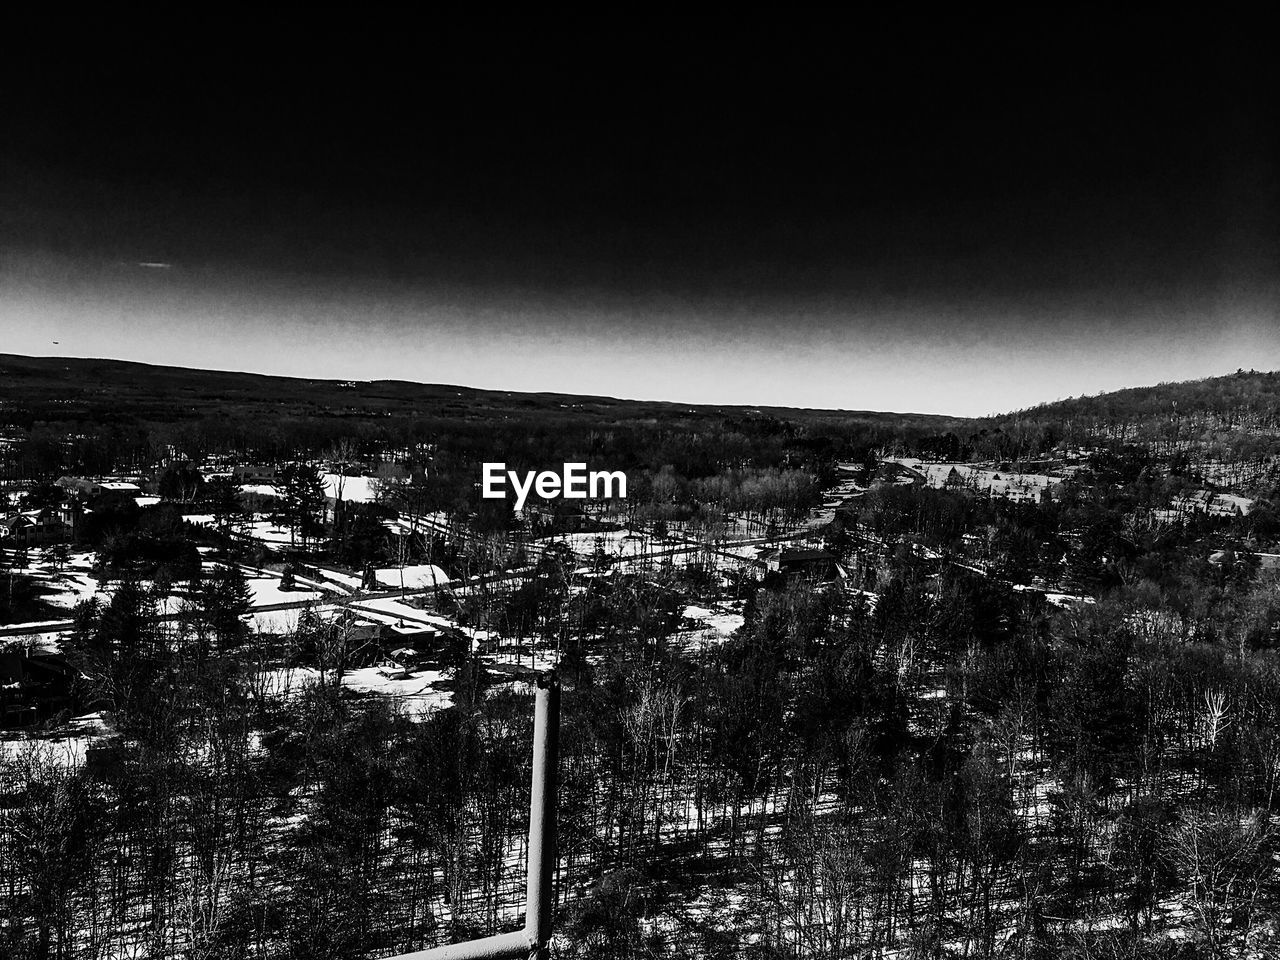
<point x="806" y="563"/>
<point x="1018" y="487"/>
<point x="82" y="487"/>
<point x="253" y="473"/>
<point x="1213" y="504"/>
<point x="34" y="686"/>
<point x="32" y="527"/>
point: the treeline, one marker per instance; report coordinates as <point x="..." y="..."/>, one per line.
<point x="676" y="468"/>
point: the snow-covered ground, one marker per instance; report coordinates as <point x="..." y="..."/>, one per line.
<point x="616" y="544"/>
<point x="67" y="746"/>
<point x="67" y="586"/>
<point x="415" y="577"/>
<point x="348" y="582"/>
<point x="286" y="681"/>
<point x="261" y="489"/>
<point x="1068" y="599"/>
<point x="723" y="621"/>
<point x="283" y="622"/>
<point x="266" y="591"/>
<point x="36" y="639"/>
<point x="354" y="489"/>
<point x="526" y="658"/>
<point x="1055" y="598"/>
<point x="273" y="536"/>
<point x="414" y="690"/>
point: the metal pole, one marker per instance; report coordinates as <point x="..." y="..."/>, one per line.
<point x="532" y="941"/>
<point x="504" y="946"/>
<point x="542" y="813"/>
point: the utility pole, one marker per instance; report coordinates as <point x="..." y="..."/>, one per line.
<point x="532" y="942"/>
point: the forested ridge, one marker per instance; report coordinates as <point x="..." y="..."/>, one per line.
<point x="1232" y="398"/>
<point x="1230" y="424"/>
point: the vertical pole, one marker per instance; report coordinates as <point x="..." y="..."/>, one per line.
<point x="533" y="940"/>
<point x="542" y="814"/>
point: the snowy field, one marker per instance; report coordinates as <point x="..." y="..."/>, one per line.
<point x="354" y="489"/>
<point x="71" y="584"/>
<point x="266" y="590"/>
<point x="271" y="535"/>
<point x="723" y="620"/>
<point x="282" y="622"/>
<point x="415" y="691"/>
<point x="416" y="577"/>
<point x="66" y="746"/>
<point x="616" y="544"/>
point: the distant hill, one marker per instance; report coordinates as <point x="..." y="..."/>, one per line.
<point x="1242" y="397"/>
<point x="61" y="389"/>
<point x="1232" y="419"/>
<point x="1224" y="431"/>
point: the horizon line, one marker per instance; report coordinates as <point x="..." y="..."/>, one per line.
<point x="619" y="399"/>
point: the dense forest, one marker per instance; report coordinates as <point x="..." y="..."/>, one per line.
<point x="989" y="727"/>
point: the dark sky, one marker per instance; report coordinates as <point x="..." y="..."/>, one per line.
<point x="960" y="216"/>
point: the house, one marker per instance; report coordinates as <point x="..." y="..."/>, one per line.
<point x="805" y="563"/>
<point x="82" y="487"/>
<point x="1213" y="504"/>
<point x="13" y="528"/>
<point x="31" y="527"/>
<point x="944" y="476"/>
<point x="253" y="473"/>
<point x="1022" y="487"/>
<point x="34" y="686"/>
<point x="1230" y="505"/>
<point x="1018" y="487"/>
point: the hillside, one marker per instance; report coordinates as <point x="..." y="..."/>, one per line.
<point x="94" y="416"/>
<point x="1223" y="430"/>
<point x="1243" y="398"/>
<point x="1228" y="427"/>
<point x="59" y="389"/>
